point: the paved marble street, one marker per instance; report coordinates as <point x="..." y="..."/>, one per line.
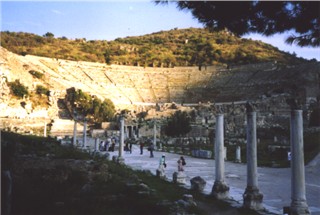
<point x="274" y="183"/>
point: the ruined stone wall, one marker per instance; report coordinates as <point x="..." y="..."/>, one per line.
<point x="136" y="88"/>
<point x="128" y="85"/>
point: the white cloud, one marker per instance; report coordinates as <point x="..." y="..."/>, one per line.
<point x="56" y="11"/>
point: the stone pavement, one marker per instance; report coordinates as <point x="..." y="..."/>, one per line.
<point x="274" y="183"/>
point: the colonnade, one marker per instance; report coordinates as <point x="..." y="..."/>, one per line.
<point x="252" y="198"/>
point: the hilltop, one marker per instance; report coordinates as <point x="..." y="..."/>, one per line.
<point x="177" y="47"/>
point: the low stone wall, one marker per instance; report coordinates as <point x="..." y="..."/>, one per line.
<point x="201" y="153"/>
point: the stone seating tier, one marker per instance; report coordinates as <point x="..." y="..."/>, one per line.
<point x="130" y="84"/>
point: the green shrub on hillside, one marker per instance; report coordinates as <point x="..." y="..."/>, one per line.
<point x="41" y="90"/>
<point x="18" y="89"/>
<point x="178" y="47"/>
<point x="36" y="74"/>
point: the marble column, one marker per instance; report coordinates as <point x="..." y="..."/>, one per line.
<point x="154" y="134"/>
<point x="238" y="155"/>
<point x="45" y="128"/>
<point x="298" y="190"/>
<point x="96" y="145"/>
<point x="220" y="189"/>
<point x="74" y="133"/>
<point x="85" y="133"/>
<point x="252" y="198"/>
<point x="121" y="144"/>
<point x="137" y="132"/>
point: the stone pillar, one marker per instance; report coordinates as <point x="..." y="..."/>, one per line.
<point x="137" y="132"/>
<point x="85" y="133"/>
<point x="134" y="131"/>
<point x="74" y="133"/>
<point x="154" y="134"/>
<point x="225" y="153"/>
<point x="252" y="198"/>
<point x="96" y="145"/>
<point x="220" y="189"/>
<point x="298" y="190"/>
<point x="238" y="155"/>
<point x="121" y="144"/>
<point x="45" y="128"/>
<point x="125" y="131"/>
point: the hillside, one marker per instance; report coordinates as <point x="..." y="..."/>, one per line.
<point x="134" y="85"/>
<point x="177" y="47"/>
<point x="139" y="88"/>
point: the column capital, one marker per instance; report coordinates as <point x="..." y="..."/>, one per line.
<point x="294" y="103"/>
<point x="219" y="114"/>
<point x="219" y="110"/>
<point x="250" y="107"/>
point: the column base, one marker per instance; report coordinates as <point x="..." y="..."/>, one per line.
<point x="220" y="190"/>
<point x="299" y="207"/>
<point x="161" y="172"/>
<point x="179" y="177"/>
<point x="252" y="198"/>
<point x="237" y="161"/>
<point x="120" y="160"/>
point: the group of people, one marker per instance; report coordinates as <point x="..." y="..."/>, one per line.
<point x="107" y="145"/>
<point x="150" y="147"/>
<point x="181" y="163"/>
<point x="162" y="164"/>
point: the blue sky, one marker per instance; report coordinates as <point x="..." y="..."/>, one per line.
<point x="108" y="20"/>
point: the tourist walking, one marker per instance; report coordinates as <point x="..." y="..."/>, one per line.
<point x="162" y="162"/>
<point x="113" y="144"/>
<point x="141" y="147"/>
<point x="181" y="164"/>
<point x="101" y="146"/>
<point x="130" y="146"/>
<point x="151" y="148"/>
<point x="126" y="148"/>
<point x="107" y="144"/>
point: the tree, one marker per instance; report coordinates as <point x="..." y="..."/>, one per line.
<point x="107" y="56"/>
<point x="178" y="124"/>
<point x="265" y="17"/>
<point x="83" y="102"/>
<point x="49" y="35"/>
<point x="106" y="111"/>
<point x="91" y="106"/>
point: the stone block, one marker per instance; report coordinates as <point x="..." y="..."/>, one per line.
<point x="161" y="173"/>
<point x="179" y="177"/>
<point x="201" y="153"/>
<point x="198" y="184"/>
